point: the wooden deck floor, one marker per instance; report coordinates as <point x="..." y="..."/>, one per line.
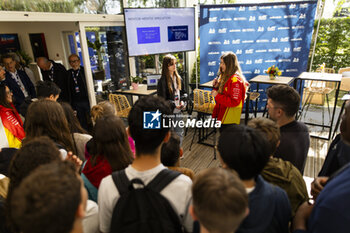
<point x="201" y="156"/>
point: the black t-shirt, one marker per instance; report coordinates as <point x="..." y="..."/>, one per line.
<point x="294" y="145"/>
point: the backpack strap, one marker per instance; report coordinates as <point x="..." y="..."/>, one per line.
<point x="162" y="179"/>
<point x="121" y="181"/>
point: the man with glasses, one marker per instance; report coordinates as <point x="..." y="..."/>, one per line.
<point x="78" y="90"/>
<point x="17" y="81"/>
<point x="283" y="103"/>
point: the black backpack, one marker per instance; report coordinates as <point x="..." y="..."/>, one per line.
<point x="144" y="209"/>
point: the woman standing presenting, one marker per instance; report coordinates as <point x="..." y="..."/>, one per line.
<point x="229" y="91"/>
<point x="170" y="87"/>
<point x="11" y="125"/>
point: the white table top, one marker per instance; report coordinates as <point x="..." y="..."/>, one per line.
<point x="266" y="79"/>
<point x="320" y="76"/>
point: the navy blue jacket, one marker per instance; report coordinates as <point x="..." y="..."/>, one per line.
<point x="269" y="210"/>
<point x="331" y="211"/>
<point x="16" y="90"/>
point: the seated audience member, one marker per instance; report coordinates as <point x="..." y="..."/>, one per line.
<point x="46" y="118"/>
<point x="330" y="213"/>
<point x="11" y="125"/>
<point x="282" y="104"/>
<point x="277" y="171"/>
<point x="102" y="109"/>
<point x="111" y="153"/>
<point x="40" y="150"/>
<point x="144" y="169"/>
<point x="171" y="153"/>
<point x="17" y="81"/>
<point x="50" y="199"/>
<point x="24" y="163"/>
<point x="247" y="154"/>
<point x="79" y="135"/>
<point x="44" y="90"/>
<point x="220" y="201"/>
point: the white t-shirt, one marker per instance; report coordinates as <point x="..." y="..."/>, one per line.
<point x="90" y="221"/>
<point x="178" y="193"/>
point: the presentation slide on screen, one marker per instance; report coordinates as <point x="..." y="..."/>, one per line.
<point x="156" y="30"/>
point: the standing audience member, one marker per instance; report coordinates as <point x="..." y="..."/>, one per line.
<point x="45" y="90"/>
<point x="145" y="167"/>
<point x="21" y="65"/>
<point x="11" y="125"/>
<point x="78" y="90"/>
<point x="111" y="153"/>
<point x="330" y="213"/>
<point x="229" y="91"/>
<point x="220" y="201"/>
<point x="277" y="171"/>
<point x="57" y="73"/>
<point x="247" y="154"/>
<point x="51" y="199"/>
<point x="282" y="104"/>
<point x="46" y="118"/>
<point x="171" y="153"/>
<point x="171" y="88"/>
<point x="17" y="81"/>
<point x="79" y="135"/>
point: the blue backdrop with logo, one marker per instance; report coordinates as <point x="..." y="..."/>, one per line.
<point x="261" y="35"/>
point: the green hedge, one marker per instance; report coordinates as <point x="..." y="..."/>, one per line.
<point x="333" y="43"/>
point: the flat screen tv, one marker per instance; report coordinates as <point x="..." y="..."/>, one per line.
<point x="159" y="30"/>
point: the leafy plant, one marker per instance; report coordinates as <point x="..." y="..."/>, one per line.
<point x="97" y="45"/>
<point x="26" y="59"/>
<point x="136" y="79"/>
<point x="333" y="43"/>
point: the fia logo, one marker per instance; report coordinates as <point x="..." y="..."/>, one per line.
<point x="151" y="120"/>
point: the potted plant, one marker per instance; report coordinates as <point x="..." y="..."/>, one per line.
<point x="135" y="80"/>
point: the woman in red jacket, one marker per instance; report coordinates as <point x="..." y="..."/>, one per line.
<point x="229" y="91"/>
<point x="11" y="125"/>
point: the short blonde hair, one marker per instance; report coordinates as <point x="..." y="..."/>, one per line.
<point x="220" y="200"/>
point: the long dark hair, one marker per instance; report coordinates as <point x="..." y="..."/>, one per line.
<point x="111" y="141"/>
<point x="3" y="96"/>
<point x="167" y="61"/>
<point x="73" y="123"/>
<point x="46" y="118"/>
<point x="72" y="120"/>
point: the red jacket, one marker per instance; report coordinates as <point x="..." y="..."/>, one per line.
<point x="229" y="103"/>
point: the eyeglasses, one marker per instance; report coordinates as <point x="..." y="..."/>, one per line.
<point x="73" y="61"/>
